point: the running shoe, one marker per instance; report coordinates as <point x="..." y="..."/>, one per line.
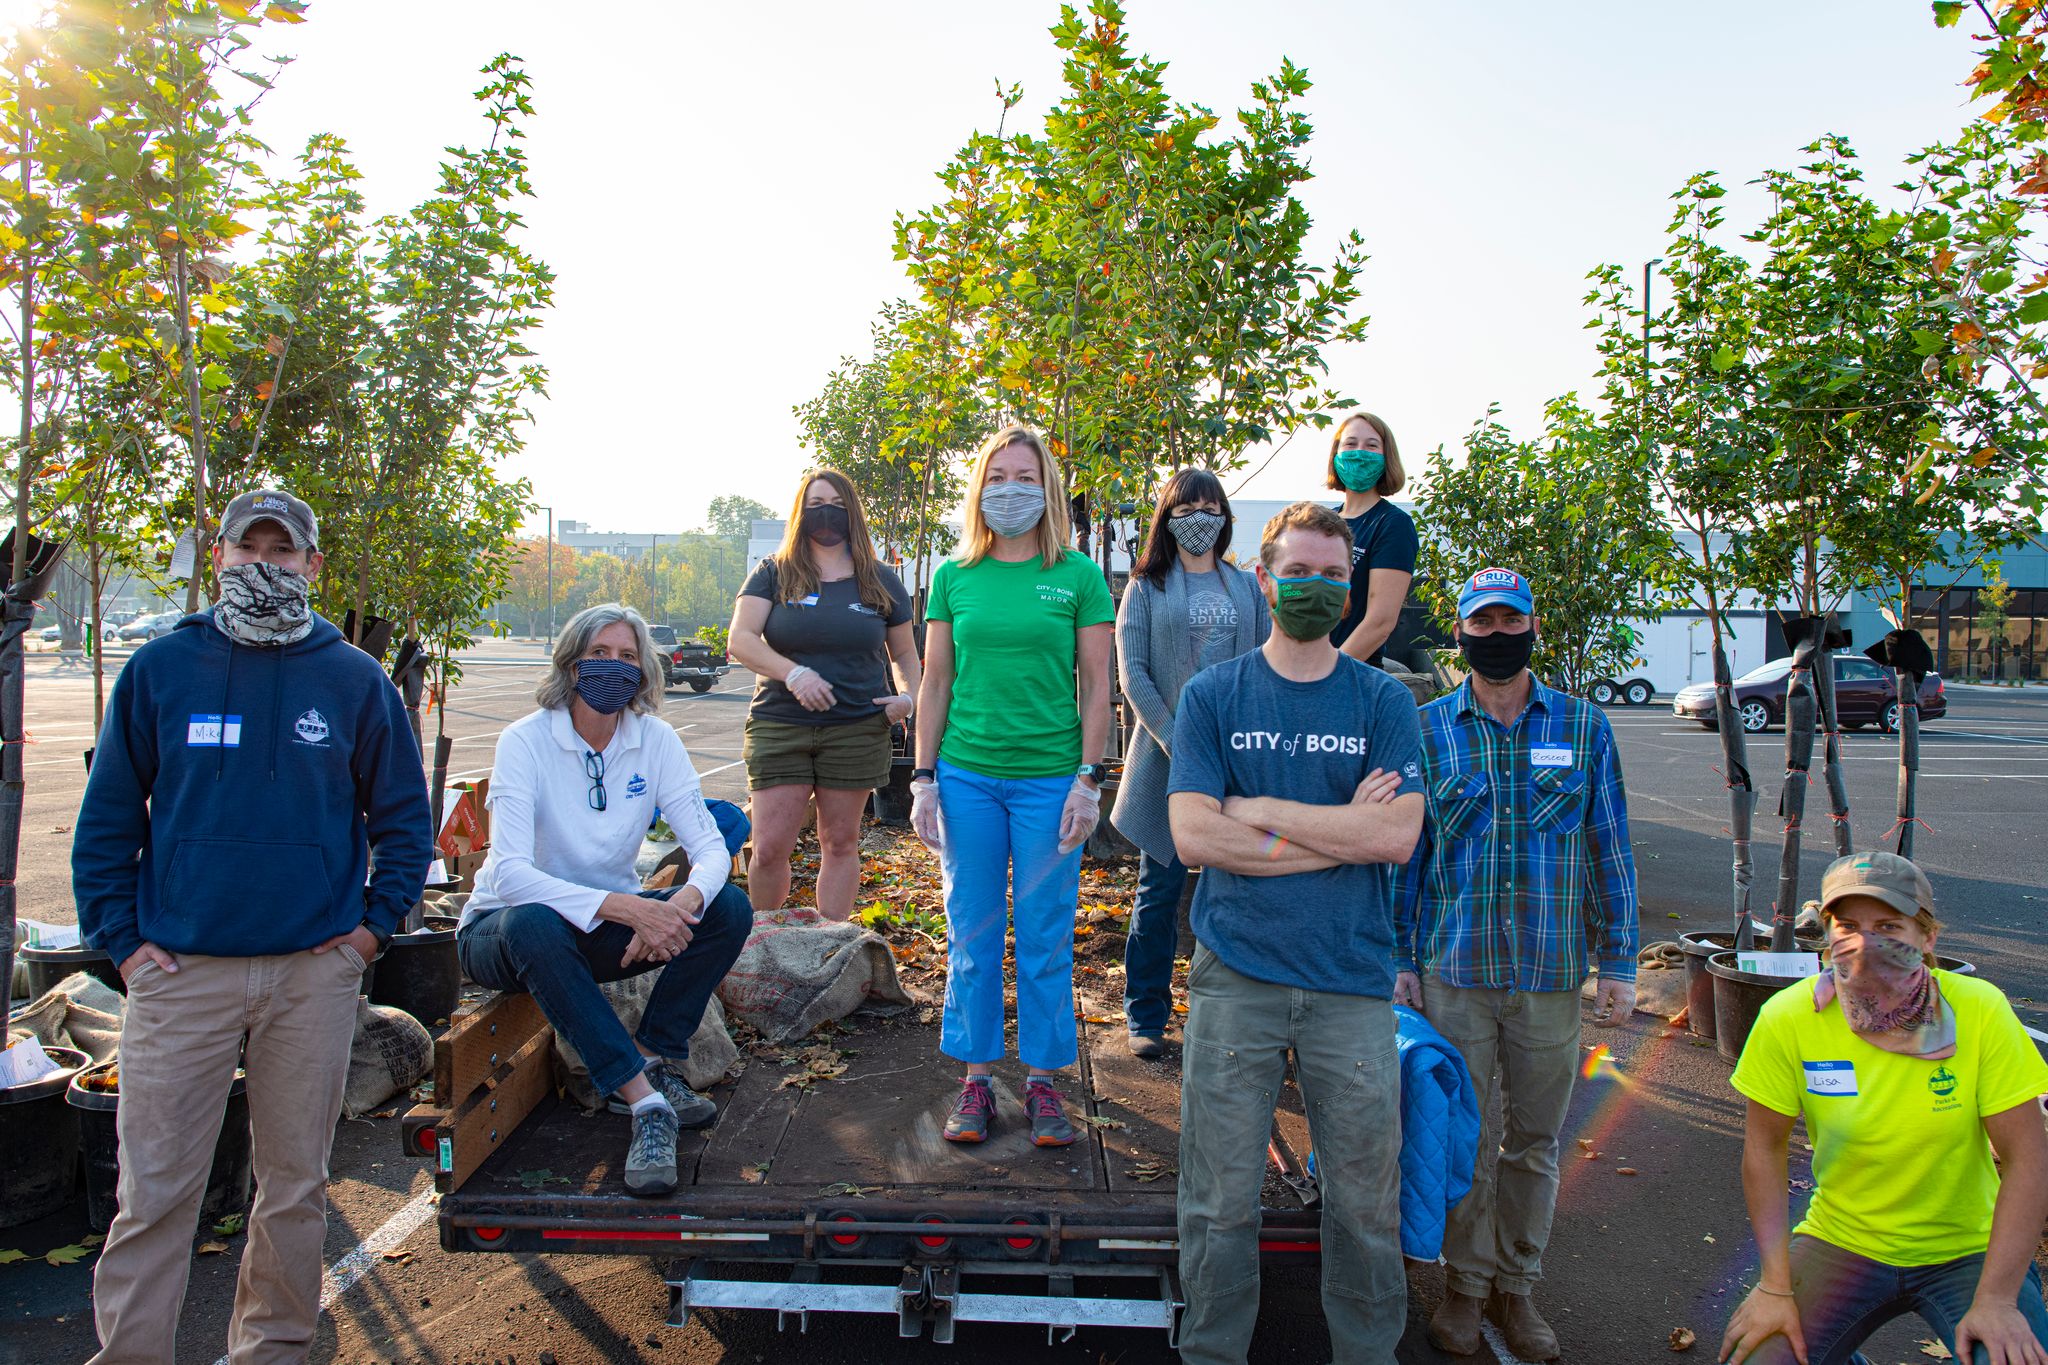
<point x="1049" y="1126"/>
<point x="971" y="1112"/>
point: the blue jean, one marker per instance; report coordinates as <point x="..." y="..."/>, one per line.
<point x="531" y="948"/>
<point x="1001" y="856"/>
<point x="1843" y="1298"/>
<point x="1239" y="1031"/>
<point x="1148" y="952"/>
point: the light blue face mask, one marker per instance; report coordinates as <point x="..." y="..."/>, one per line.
<point x="1360" y="470"/>
<point x="1011" y="509"/>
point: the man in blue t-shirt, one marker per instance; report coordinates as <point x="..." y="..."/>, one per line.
<point x="1296" y="786"/>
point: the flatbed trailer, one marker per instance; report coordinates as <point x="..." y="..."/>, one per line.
<point x="839" y="1194"/>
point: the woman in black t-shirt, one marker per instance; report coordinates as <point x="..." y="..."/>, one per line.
<point x="819" y="622"/>
<point x="1365" y="465"/>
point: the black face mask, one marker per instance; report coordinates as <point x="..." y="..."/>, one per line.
<point x="825" y="524"/>
<point x="1499" y="657"/>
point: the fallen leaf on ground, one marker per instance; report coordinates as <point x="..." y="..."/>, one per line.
<point x="755" y="1175"/>
<point x="1935" y="1350"/>
<point x="1682" y="1338"/>
<point x="848" y="1190"/>
<point x="1624" y="1170"/>
<point x="229" y="1226"/>
<point x="398" y="1257"/>
<point x="1098" y="1121"/>
<point x="389" y="1113"/>
<point x="205" y="1249"/>
<point x="1708" y="1238"/>
<point x="10" y="1256"/>
<point x="1150" y="1170"/>
<point x="1589" y="1155"/>
<point x="1585" y="1144"/>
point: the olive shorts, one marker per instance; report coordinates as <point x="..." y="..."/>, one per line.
<point x="853" y="756"/>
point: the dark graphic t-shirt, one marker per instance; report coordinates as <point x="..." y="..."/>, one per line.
<point x="834" y="632"/>
<point x="1382" y="537"/>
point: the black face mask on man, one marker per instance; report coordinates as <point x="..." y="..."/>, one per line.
<point x="1499" y="656"/>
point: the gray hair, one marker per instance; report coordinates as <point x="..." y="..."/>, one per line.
<point x="573" y="643"/>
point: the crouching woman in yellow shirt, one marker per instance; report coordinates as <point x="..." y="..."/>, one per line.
<point x="1908" y="1077"/>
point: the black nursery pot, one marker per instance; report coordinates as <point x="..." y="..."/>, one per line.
<point x="892" y="798"/>
<point x="48" y="966"/>
<point x="38" y="1143"/>
<point x="420" y="972"/>
<point x="227" y="1183"/>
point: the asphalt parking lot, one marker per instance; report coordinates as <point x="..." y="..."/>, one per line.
<point x="1650" y="1234"/>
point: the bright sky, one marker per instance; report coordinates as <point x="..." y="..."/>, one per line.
<point x="717" y="183"/>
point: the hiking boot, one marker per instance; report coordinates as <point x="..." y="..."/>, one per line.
<point x="1528" y="1336"/>
<point x="1147" y="1046"/>
<point x="651" y="1160"/>
<point x="1049" y="1126"/>
<point x="692" y="1109"/>
<point x="971" y="1112"/>
<point x="1454" y="1327"/>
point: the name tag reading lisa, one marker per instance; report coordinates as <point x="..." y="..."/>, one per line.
<point x="1830" y="1078"/>
<point x="214" y="732"/>
<point x="1551" y="756"/>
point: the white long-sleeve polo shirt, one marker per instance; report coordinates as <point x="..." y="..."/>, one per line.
<point x="550" y="846"/>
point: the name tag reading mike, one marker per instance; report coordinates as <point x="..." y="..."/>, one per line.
<point x="214" y="732"/>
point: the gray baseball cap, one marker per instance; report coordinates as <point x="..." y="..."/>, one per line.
<point x="270" y="504"/>
<point x="1883" y="876"/>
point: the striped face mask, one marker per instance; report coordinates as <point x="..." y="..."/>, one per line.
<point x="1889" y="997"/>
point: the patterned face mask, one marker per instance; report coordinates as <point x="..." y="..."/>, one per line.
<point x="263" y="605"/>
<point x="1196" y="531"/>
<point x="1889" y="997"/>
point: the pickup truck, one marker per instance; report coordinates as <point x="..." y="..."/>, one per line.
<point x="688" y="661"/>
<point x="824" y="1186"/>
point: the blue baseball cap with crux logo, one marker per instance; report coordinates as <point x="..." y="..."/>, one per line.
<point x="1490" y="586"/>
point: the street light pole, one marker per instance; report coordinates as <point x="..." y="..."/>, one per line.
<point x="1646" y="348"/>
<point x="551" y="578"/>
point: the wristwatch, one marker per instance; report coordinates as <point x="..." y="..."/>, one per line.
<point x="1097" y="773"/>
<point x="383" y="939"/>
<point x="923" y="775"/>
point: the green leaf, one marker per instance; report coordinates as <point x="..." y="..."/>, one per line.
<point x="10" y="1256"/>
<point x="1947" y="12"/>
<point x="229" y="1226"/>
<point x="2035" y="309"/>
<point x="1926" y="342"/>
<point x="1723" y="360"/>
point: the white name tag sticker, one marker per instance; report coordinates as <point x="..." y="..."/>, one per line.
<point x="808" y="600"/>
<point x="1830" y="1078"/>
<point x="1779" y="964"/>
<point x="215" y="732"/>
<point x="1551" y="756"/>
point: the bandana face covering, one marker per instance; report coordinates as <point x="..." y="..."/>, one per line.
<point x="1888" y="996"/>
<point x="263" y="605"/>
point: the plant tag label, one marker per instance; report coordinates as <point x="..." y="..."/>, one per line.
<point x="1830" y="1078"/>
<point x="185" y="554"/>
<point x="1551" y="756"/>
<point x="214" y="732"/>
<point x="25" y="1063"/>
<point x="1779" y="964"/>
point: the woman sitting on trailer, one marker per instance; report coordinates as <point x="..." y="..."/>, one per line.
<point x="558" y="907"/>
<point x="1910" y="1078"/>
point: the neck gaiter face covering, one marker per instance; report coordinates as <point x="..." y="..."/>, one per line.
<point x="607" y="685"/>
<point x="1011" y="509"/>
<point x="1889" y="997"/>
<point x="263" y="605"/>
<point x="1196" y="532"/>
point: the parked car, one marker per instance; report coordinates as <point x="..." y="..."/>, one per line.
<point x="1864" y="695"/>
<point x="695" y="663"/>
<point x="145" y="628"/>
<point x="51" y="634"/>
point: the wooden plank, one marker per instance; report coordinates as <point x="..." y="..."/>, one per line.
<point x="1145" y="1097"/>
<point x="480" y="1037"/>
<point x="482" y="1123"/>
<point x="752" y="1121"/>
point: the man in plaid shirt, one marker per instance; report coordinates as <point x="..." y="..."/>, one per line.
<point x="1524" y="863"/>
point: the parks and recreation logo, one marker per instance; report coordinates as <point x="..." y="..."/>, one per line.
<point x="1943" y="1083"/>
<point x="311" y="728"/>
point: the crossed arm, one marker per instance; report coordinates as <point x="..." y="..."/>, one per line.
<point x="1238" y="834"/>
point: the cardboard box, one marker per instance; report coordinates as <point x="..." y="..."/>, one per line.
<point x="468" y="826"/>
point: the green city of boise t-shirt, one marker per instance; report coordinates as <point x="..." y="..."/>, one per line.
<point x="1902" y="1169"/>
<point x="1013" y="711"/>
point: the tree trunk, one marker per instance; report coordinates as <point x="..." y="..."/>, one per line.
<point x="1741" y="789"/>
<point x="1800" y="708"/>
<point x="196" y="418"/>
<point x="95" y="569"/>
<point x="1831" y="754"/>
<point x="1909" y="758"/>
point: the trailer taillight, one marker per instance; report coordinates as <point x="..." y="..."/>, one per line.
<point x="424" y="1140"/>
<point x="844" y="1239"/>
<point x="933" y="1243"/>
<point x="488" y="1236"/>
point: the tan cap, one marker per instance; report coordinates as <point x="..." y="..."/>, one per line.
<point x="1896" y="881"/>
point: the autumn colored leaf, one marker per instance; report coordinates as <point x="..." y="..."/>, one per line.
<point x="205" y="1248"/>
<point x="1966" y="333"/>
<point x="1943" y="259"/>
<point x="265" y="389"/>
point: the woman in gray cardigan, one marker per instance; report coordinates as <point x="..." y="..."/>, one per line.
<point x="1184" y="610"/>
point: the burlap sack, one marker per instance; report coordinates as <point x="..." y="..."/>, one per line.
<point x="80" y="1011"/>
<point x="390" y="1054"/>
<point x="799" y="970"/>
<point x="711" y="1047"/>
<point x="1660" y="980"/>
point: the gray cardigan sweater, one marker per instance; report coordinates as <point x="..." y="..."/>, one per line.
<point x="1156" y="657"/>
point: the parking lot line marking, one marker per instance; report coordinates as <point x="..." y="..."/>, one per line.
<point x="343" y="1274"/>
<point x="709" y="771"/>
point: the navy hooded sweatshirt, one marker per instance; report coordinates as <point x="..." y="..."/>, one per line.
<point x="236" y="794"/>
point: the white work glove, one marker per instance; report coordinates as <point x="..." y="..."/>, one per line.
<point x="897" y="706"/>
<point x="1078" y="816"/>
<point x="924" y="814"/>
<point x="812" y="692"/>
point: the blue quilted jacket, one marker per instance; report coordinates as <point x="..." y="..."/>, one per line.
<point x="1439" y="1133"/>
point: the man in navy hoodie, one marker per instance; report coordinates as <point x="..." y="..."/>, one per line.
<point x="250" y="764"/>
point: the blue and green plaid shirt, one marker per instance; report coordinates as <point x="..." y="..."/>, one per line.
<point x="1524" y="863"/>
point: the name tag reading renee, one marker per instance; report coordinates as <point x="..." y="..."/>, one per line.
<point x="215" y="732"/>
<point x="1551" y="756"/>
<point x="1830" y="1078"/>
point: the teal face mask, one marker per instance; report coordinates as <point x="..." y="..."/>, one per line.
<point x="1360" y="470"/>
<point x="1309" y="608"/>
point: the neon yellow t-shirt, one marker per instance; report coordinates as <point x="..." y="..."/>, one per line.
<point x="1902" y="1171"/>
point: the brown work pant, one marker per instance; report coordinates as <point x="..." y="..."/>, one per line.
<point x="180" y="1044"/>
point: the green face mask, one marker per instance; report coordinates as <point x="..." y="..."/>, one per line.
<point x="1309" y="608"/>
<point x="1360" y="470"/>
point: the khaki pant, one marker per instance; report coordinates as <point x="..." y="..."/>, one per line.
<point x="180" y="1044"/>
<point x="1239" y="1032"/>
<point x="1522" y="1048"/>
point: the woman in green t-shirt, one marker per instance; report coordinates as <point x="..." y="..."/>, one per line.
<point x="1909" y="1078"/>
<point x="1011" y="724"/>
